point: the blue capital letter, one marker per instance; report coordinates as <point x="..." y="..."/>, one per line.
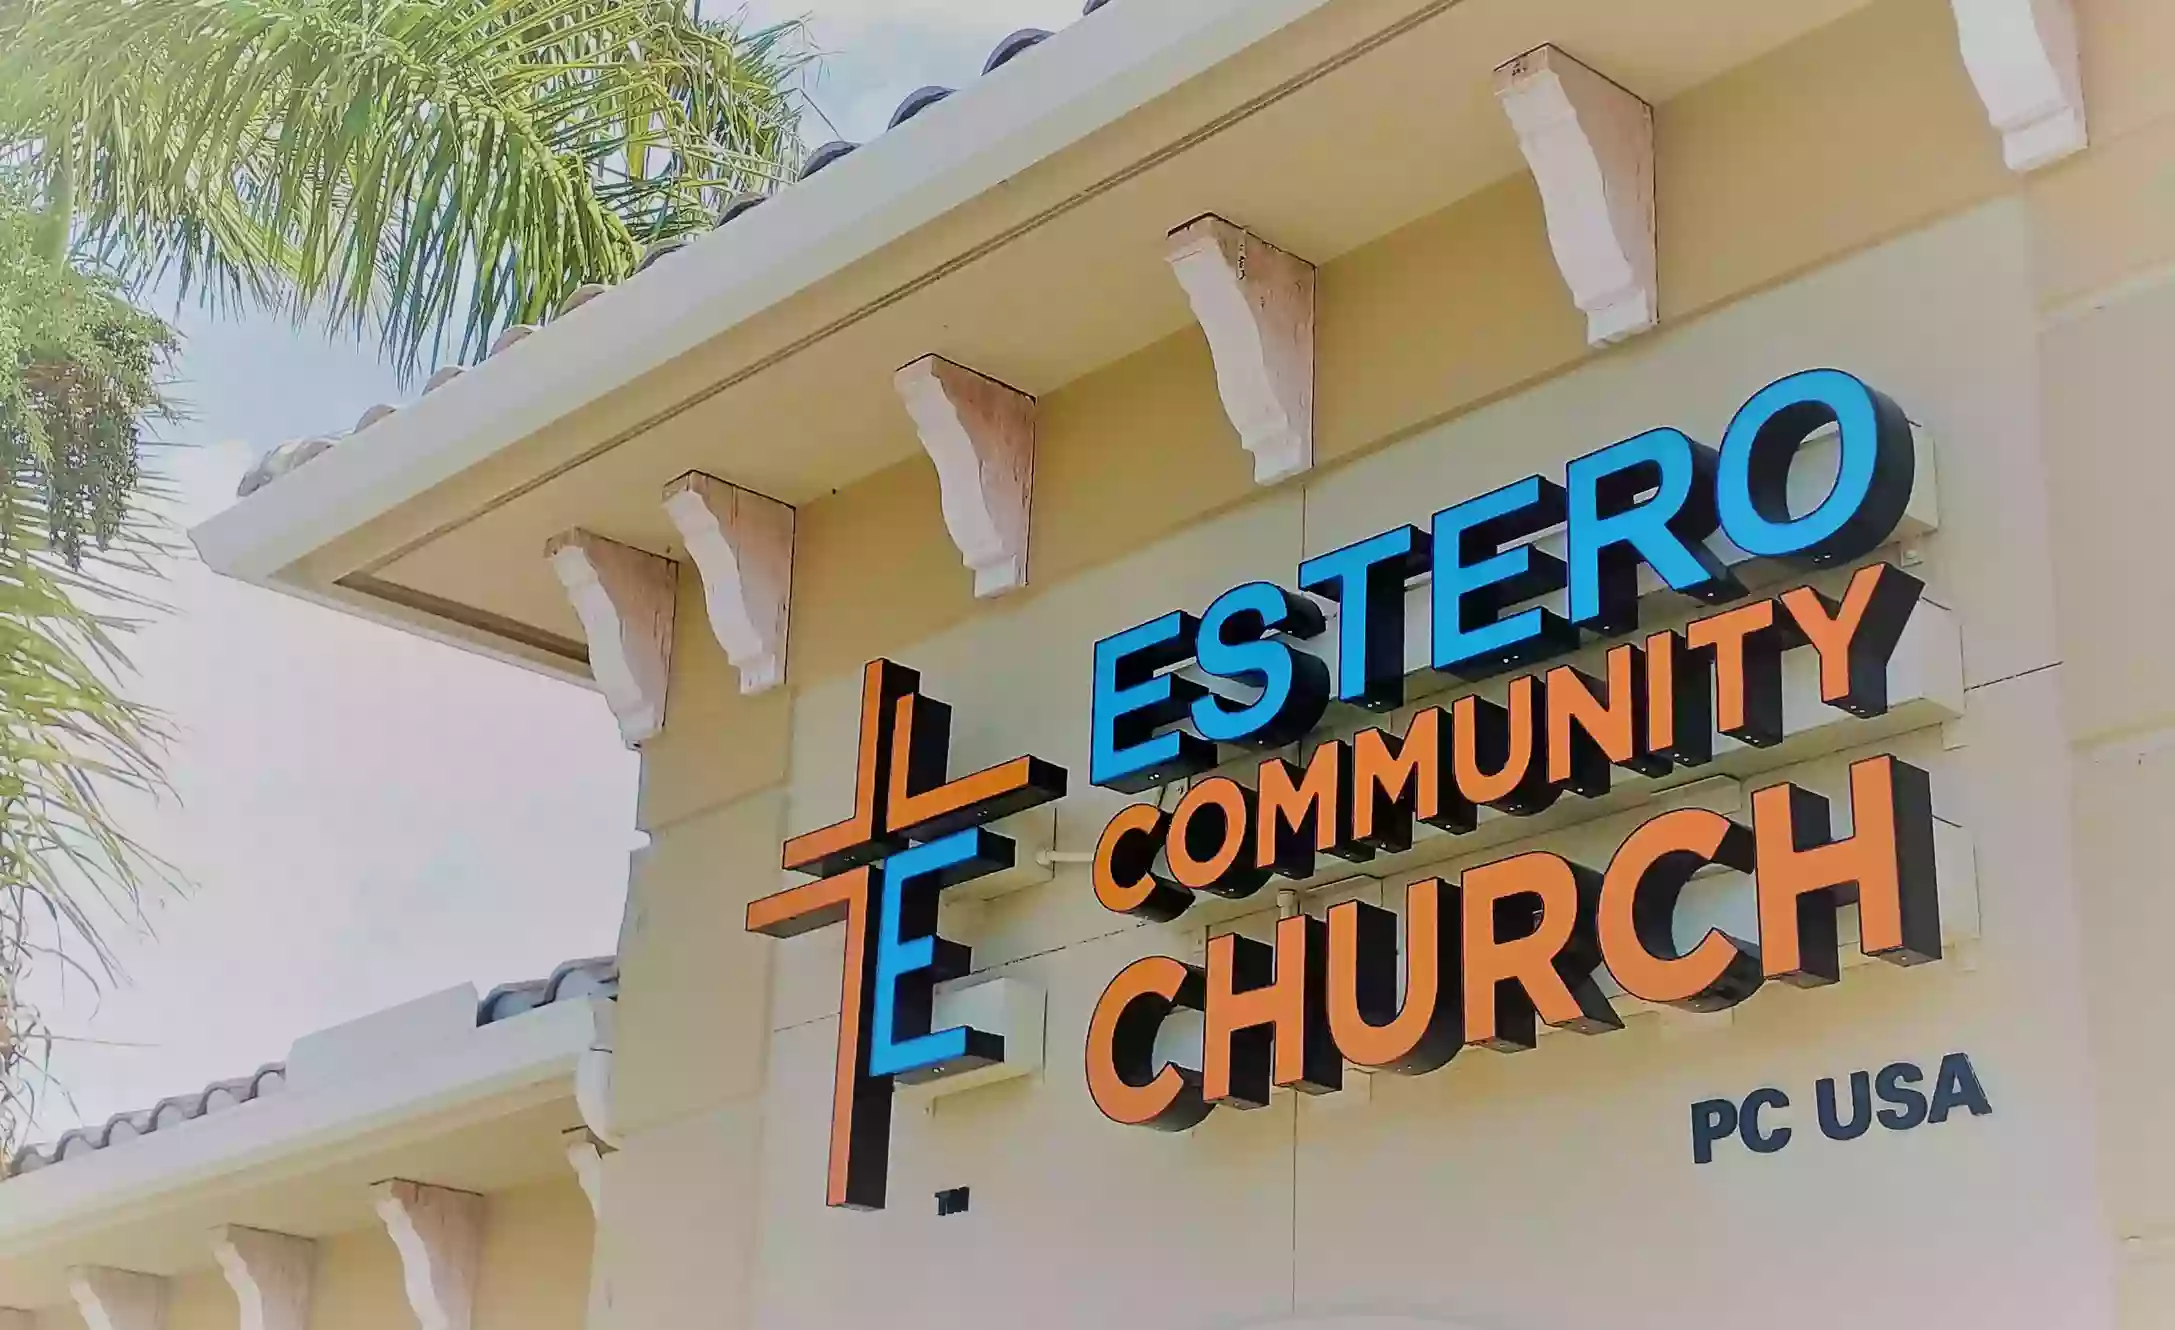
<point x="1873" y="478"/>
<point x="1367" y="581"/>
<point x="1611" y="529"/>
<point x="1133" y="700"/>
<point x="911" y="960"/>
<point x="1236" y="644"/>
<point x="1476" y="579"/>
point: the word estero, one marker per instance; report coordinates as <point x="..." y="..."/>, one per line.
<point x="1518" y="941"/>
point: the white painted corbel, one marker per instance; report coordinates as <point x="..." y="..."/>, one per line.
<point x="269" y="1273"/>
<point x="1256" y="304"/>
<point x="439" y="1234"/>
<point x="587" y="1144"/>
<point x="981" y="435"/>
<point x="118" y="1299"/>
<point x="743" y="544"/>
<point x="623" y="597"/>
<point x="586" y="1151"/>
<point x="593" y="1093"/>
<point x="1590" y="146"/>
<point x="2022" y="55"/>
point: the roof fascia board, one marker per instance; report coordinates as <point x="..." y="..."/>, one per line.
<point x="997" y="127"/>
<point x="507" y="1065"/>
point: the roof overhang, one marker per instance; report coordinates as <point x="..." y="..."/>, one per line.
<point x="953" y="154"/>
<point x="479" y="1113"/>
<point x="1037" y="198"/>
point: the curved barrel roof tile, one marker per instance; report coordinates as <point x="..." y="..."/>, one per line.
<point x="167" y="1113"/>
<point x="288" y="456"/>
<point x="595" y="977"/>
<point x="917" y="101"/>
<point x="1014" y="46"/>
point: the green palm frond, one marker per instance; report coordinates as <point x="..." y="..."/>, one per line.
<point x="417" y="164"/>
<point x="78" y="384"/>
<point x="79" y="373"/>
<point x="69" y="741"/>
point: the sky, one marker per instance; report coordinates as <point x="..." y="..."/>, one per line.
<point x="365" y="817"/>
<point x="877" y="51"/>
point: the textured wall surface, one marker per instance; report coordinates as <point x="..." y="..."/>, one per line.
<point x="2016" y="319"/>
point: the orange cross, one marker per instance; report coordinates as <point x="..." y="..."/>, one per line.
<point x="901" y="797"/>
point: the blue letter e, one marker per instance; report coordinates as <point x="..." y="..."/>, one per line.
<point x="911" y="960"/>
<point x="1134" y="698"/>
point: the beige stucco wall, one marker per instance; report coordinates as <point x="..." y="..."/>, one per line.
<point x="1429" y="1196"/>
<point x="2110" y="484"/>
<point x="536" y="1254"/>
<point x="533" y="1273"/>
<point x="2105" y="237"/>
<point x="356" y="1283"/>
<point x="200" y="1300"/>
<point x="1840" y="201"/>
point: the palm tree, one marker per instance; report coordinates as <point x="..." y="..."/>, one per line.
<point x="413" y="164"/>
<point x="79" y="372"/>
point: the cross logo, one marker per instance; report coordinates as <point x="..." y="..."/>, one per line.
<point x="913" y="833"/>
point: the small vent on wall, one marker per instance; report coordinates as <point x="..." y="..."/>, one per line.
<point x="951" y="1201"/>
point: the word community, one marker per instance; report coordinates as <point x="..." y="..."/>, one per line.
<point x="1517" y="943"/>
<point x="1513" y="944"/>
